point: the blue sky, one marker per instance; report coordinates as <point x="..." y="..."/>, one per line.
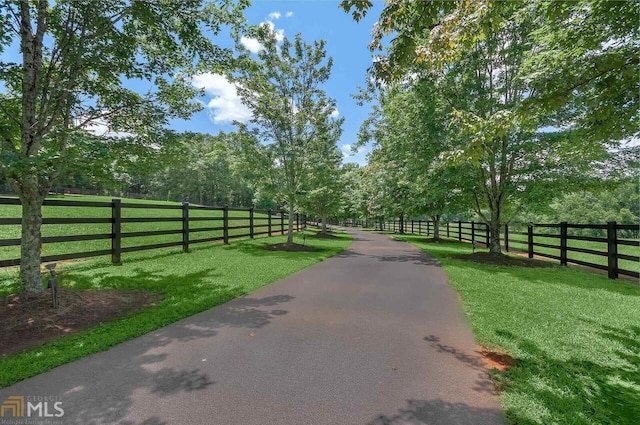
<point x="346" y="41"/>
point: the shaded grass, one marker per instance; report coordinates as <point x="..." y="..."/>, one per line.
<point x="237" y="218"/>
<point x="575" y="334"/>
<point x="189" y="282"/>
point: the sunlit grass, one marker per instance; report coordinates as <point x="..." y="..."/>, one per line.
<point x="237" y="218"/>
<point x="576" y="336"/>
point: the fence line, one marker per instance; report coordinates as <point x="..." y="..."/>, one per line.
<point x="260" y="222"/>
<point x="478" y="232"/>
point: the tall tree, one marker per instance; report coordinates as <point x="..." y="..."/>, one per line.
<point x="283" y="90"/>
<point x="78" y="60"/>
<point x="323" y="186"/>
<point x="479" y="50"/>
<point x="409" y="128"/>
<point x="354" y="197"/>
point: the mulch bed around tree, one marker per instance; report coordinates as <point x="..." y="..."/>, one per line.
<point x="502" y="260"/>
<point x="321" y="235"/>
<point x="296" y="247"/>
<point x="28" y="320"/>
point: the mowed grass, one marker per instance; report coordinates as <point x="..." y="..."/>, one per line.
<point x="189" y="283"/>
<point x="236" y="219"/>
<point x="575" y="335"/>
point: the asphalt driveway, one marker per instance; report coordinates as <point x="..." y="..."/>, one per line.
<point x="374" y="335"/>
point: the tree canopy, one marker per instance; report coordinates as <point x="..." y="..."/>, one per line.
<point x="79" y="59"/>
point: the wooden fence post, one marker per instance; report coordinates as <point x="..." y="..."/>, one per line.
<point x="428" y="228"/>
<point x="612" y="250"/>
<point x="486" y="227"/>
<point x="269" y="221"/>
<point x="281" y="222"/>
<point x="412" y="227"/>
<point x="225" y="224"/>
<point x="297" y="221"/>
<point x="447" y="229"/>
<point x="473" y="232"/>
<point x="419" y="227"/>
<point x="116" y="231"/>
<point x="459" y="230"/>
<point x="506" y="237"/>
<point x="530" y="239"/>
<point x="563" y="243"/>
<point x="251" y="231"/>
<point x="185" y="227"/>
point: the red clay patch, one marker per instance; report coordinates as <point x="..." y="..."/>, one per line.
<point x="28" y="320"/>
<point x="497" y="360"/>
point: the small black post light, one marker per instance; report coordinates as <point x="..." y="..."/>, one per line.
<point x="53" y="284"/>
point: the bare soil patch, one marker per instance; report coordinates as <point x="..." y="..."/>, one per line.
<point x="497" y="360"/>
<point x="28" y="320"/>
<point x="502" y="260"/>
<point x="296" y="247"/>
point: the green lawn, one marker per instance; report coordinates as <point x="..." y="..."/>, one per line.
<point x="575" y="334"/>
<point x="189" y="282"/>
<point x="237" y="218"/>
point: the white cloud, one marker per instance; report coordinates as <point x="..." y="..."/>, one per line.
<point x="225" y="105"/>
<point x="251" y="44"/>
<point x="278" y="33"/>
<point x="288" y="14"/>
<point x="346" y="150"/>
<point x="100" y="127"/>
<point x="357" y="156"/>
<point x="335" y="113"/>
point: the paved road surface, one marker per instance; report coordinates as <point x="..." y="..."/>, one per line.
<point x="371" y="336"/>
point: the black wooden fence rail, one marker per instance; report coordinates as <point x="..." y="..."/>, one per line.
<point x="267" y="222"/>
<point x="478" y="232"/>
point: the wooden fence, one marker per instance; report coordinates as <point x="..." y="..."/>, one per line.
<point x="537" y="240"/>
<point x="226" y="223"/>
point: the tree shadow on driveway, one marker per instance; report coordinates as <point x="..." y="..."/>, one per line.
<point x="102" y="388"/>
<point x="440" y="412"/>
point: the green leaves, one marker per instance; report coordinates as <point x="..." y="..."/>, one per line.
<point x="290" y="144"/>
<point x="511" y="102"/>
<point x="86" y="57"/>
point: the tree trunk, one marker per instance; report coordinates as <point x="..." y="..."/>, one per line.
<point x="401" y="223"/>
<point x="292" y="218"/>
<point x="31" y="244"/>
<point x="436" y="227"/>
<point x="494" y="232"/>
<point x="323" y="217"/>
